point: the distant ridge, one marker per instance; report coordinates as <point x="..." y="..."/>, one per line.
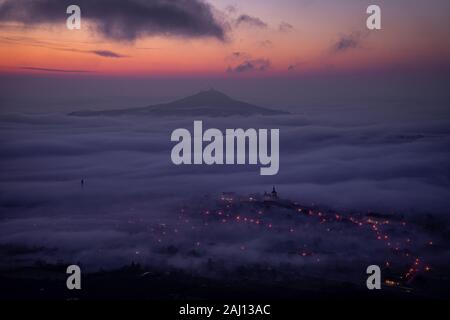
<point x="210" y="103"/>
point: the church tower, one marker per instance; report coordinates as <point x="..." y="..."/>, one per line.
<point x="274" y="193"/>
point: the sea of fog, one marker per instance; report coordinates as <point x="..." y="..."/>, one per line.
<point x="390" y="158"/>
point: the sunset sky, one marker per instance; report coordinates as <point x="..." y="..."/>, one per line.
<point x="232" y="38"/>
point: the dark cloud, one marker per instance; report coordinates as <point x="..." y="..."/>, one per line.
<point x="251" y="65"/>
<point x="123" y="20"/>
<point x="101" y="53"/>
<point x="285" y="27"/>
<point x="349" y="41"/>
<point x="245" y="19"/>
<point x="107" y="54"/>
<point x="237" y="56"/>
<point x="55" y="46"/>
<point x="294" y="66"/>
<point x="55" y="70"/>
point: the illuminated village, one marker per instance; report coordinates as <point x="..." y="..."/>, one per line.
<point x="227" y="244"/>
<point x="269" y="212"/>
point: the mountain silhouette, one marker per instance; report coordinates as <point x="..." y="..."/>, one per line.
<point x="207" y="103"/>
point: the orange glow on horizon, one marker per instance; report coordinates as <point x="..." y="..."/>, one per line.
<point x="56" y="50"/>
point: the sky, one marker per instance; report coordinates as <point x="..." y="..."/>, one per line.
<point x="221" y="38"/>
